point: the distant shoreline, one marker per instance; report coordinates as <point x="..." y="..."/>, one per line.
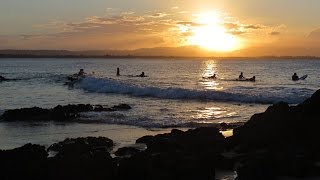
<point x="188" y="53"/>
<point x="25" y="56"/>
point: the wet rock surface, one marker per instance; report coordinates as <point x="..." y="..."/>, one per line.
<point x="58" y="113"/>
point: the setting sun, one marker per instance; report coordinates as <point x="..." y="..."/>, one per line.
<point x="210" y="33"/>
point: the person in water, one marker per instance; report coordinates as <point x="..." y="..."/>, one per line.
<point x="253" y="78"/>
<point x="295" y="77"/>
<point x="214" y="76"/>
<point x="241" y="76"/>
<point x="142" y="75"/>
<point x="118" y="71"/>
<point x="81" y="72"/>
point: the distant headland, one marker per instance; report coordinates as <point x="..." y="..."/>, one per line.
<point x="152" y="53"/>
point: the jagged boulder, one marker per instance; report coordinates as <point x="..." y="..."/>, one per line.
<point x="282" y="141"/>
<point x="282" y="124"/>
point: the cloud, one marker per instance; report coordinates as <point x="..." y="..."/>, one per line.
<point x="230" y="25"/>
<point x="238" y="28"/>
<point x="129" y="30"/>
<point x="237" y="32"/>
<point x="126" y="30"/>
<point x="252" y="26"/>
<point x="188" y="23"/>
<point x="128" y="13"/>
<point x="159" y="15"/>
<point x="28" y="37"/>
<point x="275" y="33"/>
<point x="314" y="35"/>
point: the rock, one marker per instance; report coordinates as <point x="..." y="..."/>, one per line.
<point x="26" y="152"/>
<point x="276" y="163"/>
<point x="280" y="142"/>
<point x="176" y="155"/>
<point x="68" y="112"/>
<point x="191" y="140"/>
<point x="27" y="162"/>
<point x="126" y="151"/>
<point x="227" y="126"/>
<point x="167" y="165"/>
<point x="34" y="113"/>
<point x="121" y="107"/>
<point x="145" y="139"/>
<point x="82" y="146"/>
<point x="281" y="124"/>
<point x="83" y="158"/>
<point x="58" y="113"/>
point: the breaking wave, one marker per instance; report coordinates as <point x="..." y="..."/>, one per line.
<point x="262" y="95"/>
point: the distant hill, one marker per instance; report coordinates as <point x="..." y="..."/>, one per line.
<point x="169" y="52"/>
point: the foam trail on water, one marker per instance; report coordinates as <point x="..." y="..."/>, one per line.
<point x="258" y="95"/>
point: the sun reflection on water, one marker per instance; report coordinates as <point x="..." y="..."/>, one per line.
<point x="210" y="115"/>
<point x="213" y="113"/>
<point x="209" y="83"/>
<point x="210" y="68"/>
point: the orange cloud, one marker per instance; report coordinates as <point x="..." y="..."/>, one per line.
<point x="275" y="33"/>
<point x="315" y="35"/>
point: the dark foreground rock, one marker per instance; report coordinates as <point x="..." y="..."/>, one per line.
<point x="194" y="154"/>
<point x="81" y="146"/>
<point x="81" y="158"/>
<point x="282" y="124"/>
<point x="27" y="162"/>
<point x="58" y="113"/>
<point x="193" y="140"/>
<point x="126" y="151"/>
<point x="283" y="141"/>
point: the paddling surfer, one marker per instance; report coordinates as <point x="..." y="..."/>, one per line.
<point x="118" y="71"/>
<point x="295" y="77"/>
<point x="241" y="76"/>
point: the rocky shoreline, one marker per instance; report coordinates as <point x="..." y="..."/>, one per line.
<point x="59" y="113"/>
<point x="281" y="142"/>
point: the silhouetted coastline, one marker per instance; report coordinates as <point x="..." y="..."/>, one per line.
<point x="127" y="55"/>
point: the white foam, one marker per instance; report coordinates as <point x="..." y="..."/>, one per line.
<point x="237" y="94"/>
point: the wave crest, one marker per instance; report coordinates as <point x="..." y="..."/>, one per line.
<point x="258" y="95"/>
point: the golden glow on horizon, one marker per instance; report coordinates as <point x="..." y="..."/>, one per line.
<point x="211" y="35"/>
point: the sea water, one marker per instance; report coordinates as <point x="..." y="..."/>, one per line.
<point x="175" y="94"/>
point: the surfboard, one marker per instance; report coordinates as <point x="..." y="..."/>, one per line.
<point x="245" y="79"/>
<point x="303" y="77"/>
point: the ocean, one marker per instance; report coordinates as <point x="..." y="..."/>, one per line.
<point x="175" y="94"/>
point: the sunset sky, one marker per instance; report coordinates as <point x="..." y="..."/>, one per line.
<point x="242" y="28"/>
